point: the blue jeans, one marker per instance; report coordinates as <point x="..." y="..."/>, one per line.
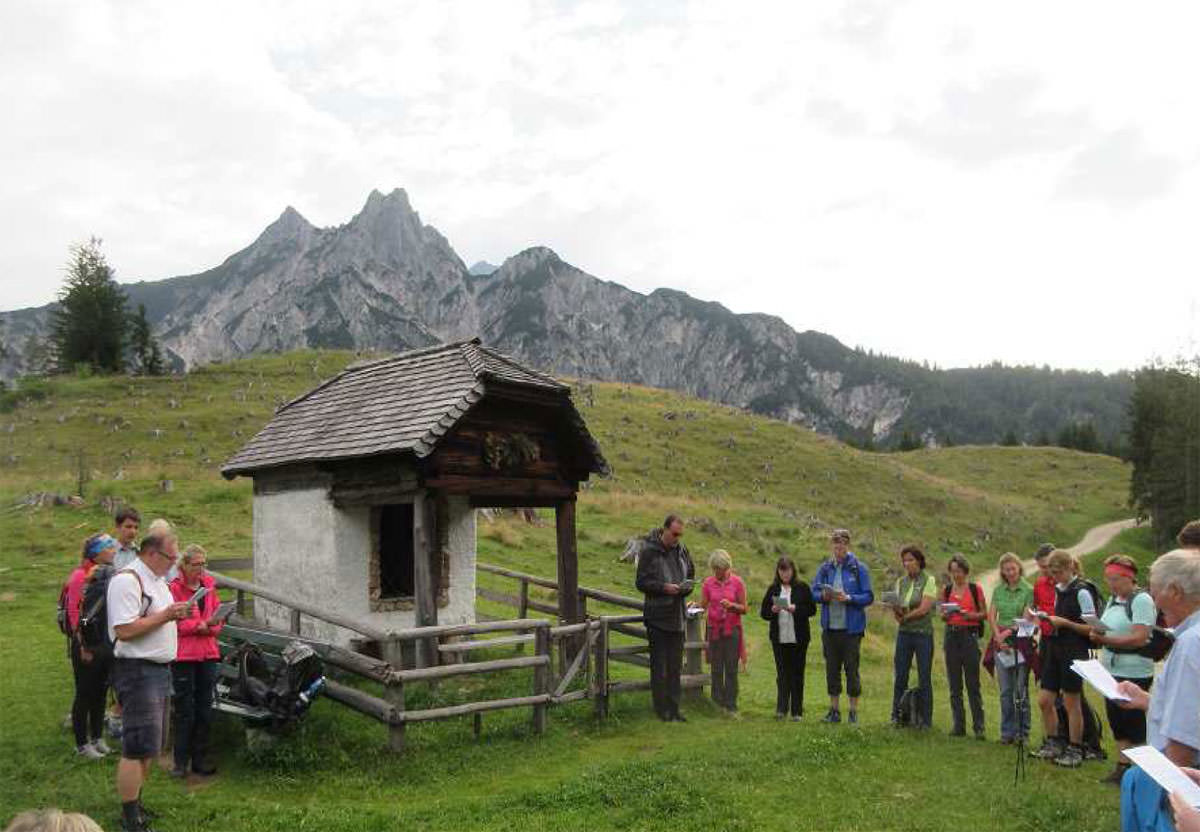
<point x="1144" y="806"/>
<point x="909" y="645"/>
<point x="1014" y="700"/>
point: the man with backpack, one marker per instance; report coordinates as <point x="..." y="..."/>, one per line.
<point x="141" y="621"/>
<point x="1069" y="640"/>
<point x="82" y="618"/>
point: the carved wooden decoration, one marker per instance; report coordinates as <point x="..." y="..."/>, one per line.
<point x="509" y="452"/>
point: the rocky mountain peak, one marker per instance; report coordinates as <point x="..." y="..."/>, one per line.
<point x="291" y="225"/>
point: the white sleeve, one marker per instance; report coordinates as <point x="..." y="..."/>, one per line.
<point x="1085" y="602"/>
<point x="124" y="600"/>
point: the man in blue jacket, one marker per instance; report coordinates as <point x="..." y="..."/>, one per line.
<point x="843" y="589"/>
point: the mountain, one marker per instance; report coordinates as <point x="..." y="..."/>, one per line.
<point x="483" y="268"/>
<point x="385" y="281"/>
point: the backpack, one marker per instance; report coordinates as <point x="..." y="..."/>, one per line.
<point x="1094" y="591"/>
<point x="61" y="615"/>
<point x="1161" y="640"/>
<point x="976" y="598"/>
<point x="1093" y="731"/>
<point x="909" y="711"/>
<point x="93" y="617"/>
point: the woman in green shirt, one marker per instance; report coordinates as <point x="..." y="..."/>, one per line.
<point x="915" y="594"/>
<point x="1010" y="599"/>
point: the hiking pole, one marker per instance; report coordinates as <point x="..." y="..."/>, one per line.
<point x="1020" y="695"/>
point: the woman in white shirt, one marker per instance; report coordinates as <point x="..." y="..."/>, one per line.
<point x="788" y="605"/>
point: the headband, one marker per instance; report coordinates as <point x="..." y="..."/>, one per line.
<point x="98" y="544"/>
<point x="1118" y="570"/>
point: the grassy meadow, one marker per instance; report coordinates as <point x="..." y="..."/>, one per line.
<point x="756" y="487"/>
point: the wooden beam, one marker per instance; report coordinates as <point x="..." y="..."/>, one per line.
<point x="474" y="708"/>
<point x="359" y="627"/>
<point x="423" y="582"/>
<point x="568" y="561"/>
<point x="489" y="488"/>
<point x="445" y="671"/>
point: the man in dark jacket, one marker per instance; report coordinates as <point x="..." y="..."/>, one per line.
<point x="665" y="575"/>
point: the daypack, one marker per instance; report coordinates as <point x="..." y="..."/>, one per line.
<point x="977" y="598"/>
<point x="61" y="615"/>
<point x="93" y="617"/>
<point x="1093" y="731"/>
<point x="1161" y="640"/>
<point x="909" y="711"/>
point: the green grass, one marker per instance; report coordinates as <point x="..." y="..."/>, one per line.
<point x="750" y="485"/>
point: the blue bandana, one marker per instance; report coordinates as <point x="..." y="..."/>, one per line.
<point x="98" y="544"/>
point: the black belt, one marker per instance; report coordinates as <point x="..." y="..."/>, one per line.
<point x="141" y="661"/>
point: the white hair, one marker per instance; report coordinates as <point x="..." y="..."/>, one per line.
<point x="1180" y="567"/>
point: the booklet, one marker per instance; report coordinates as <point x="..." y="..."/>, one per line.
<point x="1165" y="773"/>
<point x="1097" y="675"/>
<point x="1025" y="627"/>
<point x="891" y="598"/>
<point x="223" y="612"/>
<point x="949" y="607"/>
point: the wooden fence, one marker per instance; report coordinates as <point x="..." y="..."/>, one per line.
<point x="585" y="651"/>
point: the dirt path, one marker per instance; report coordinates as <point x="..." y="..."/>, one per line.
<point x="1095" y="538"/>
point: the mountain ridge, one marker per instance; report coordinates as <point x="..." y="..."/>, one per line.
<point x="386" y="281"/>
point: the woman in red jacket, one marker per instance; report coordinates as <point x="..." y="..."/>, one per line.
<point x="90" y="664"/>
<point x="194" y="672"/>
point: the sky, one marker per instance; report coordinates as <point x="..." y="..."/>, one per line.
<point x="955" y="182"/>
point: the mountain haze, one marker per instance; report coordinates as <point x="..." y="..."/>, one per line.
<point x="385" y="281"/>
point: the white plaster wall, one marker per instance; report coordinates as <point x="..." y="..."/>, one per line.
<point x="306" y="548"/>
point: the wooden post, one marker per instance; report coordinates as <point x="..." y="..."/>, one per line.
<point x="423" y="582"/>
<point x="541" y="677"/>
<point x="523" y="607"/>
<point x="692" y="664"/>
<point x="568" y="562"/>
<point x="296" y="622"/>
<point x="241" y="604"/>
<point x="393" y="692"/>
<point x="600" y="677"/>
<point x="477" y="727"/>
<point x="581" y="643"/>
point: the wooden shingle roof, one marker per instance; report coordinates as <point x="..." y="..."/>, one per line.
<point x="405" y="403"/>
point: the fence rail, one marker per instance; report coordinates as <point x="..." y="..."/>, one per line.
<point x="585" y="651"/>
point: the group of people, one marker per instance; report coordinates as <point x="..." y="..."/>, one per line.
<point x="142" y="620"/>
<point x="1022" y="629"/>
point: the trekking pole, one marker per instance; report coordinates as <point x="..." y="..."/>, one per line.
<point x="1020" y="695"/>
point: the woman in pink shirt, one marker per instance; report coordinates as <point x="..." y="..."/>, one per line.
<point x="194" y="672"/>
<point x="724" y="597"/>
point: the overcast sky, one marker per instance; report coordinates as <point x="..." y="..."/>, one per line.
<point x="951" y="181"/>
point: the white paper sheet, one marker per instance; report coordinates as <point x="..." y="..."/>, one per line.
<point x="1097" y="675"/>
<point x="1164" y="772"/>
<point x="1095" y="623"/>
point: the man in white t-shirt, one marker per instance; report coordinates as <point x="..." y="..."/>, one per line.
<point x="141" y="621"/>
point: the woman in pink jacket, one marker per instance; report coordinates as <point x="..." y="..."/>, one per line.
<point x="194" y="672"/>
<point x="90" y="665"/>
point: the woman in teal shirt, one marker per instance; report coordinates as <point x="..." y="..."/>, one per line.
<point x="1128" y="620"/>
<point x="1010" y="599"/>
<point x="915" y="594"/>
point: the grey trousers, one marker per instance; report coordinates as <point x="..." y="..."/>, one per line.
<point x="723" y="660"/>
<point x="962" y="665"/>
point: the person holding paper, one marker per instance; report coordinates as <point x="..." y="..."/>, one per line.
<point x="665" y="576"/>
<point x="723" y="596"/>
<point x="1127" y="622"/>
<point x="964" y="626"/>
<point x="843" y="589"/>
<point x="788" y="605"/>
<point x="1010" y="599"/>
<point x="194" y="672"/>
<point x="1173" y="722"/>
<point x="916" y="593"/>
<point x="1069" y="640"/>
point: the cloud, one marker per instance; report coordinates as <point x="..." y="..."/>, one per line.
<point x="997" y="118"/>
<point x="1118" y="169"/>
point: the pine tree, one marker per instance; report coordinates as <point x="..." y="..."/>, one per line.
<point x="1010" y="440"/>
<point x="88" y="328"/>
<point x="147" y="355"/>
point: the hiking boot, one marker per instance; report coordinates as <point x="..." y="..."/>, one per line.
<point x="781" y="715"/>
<point x="958" y="732"/>
<point x="796" y="718"/>
<point x="980" y="735"/>
<point x="1114" y="776"/>
<point x="1050" y="749"/>
<point x="101" y="746"/>
<point x="179" y="772"/>
<point x="1007" y="740"/>
<point x="853" y="718"/>
<point x="678" y="717"/>
<point x="1095" y="754"/>
<point x="1072" y="757"/>
<point x="833" y="715"/>
<point x="89" y="751"/>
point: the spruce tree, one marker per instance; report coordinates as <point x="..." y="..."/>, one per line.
<point x="88" y="328"/>
<point x="147" y="355"/>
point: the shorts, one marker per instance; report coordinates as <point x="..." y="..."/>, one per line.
<point x="1128" y="725"/>
<point x="1057" y="675"/>
<point x="142" y="689"/>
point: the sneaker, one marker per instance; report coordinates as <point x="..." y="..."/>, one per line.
<point x="832" y="716"/>
<point x="1072" y="757"/>
<point x="1007" y="740"/>
<point x="204" y="770"/>
<point x="115" y="727"/>
<point x="101" y="746"/>
<point x="852" y="718"/>
<point x="796" y="718"/>
<point x="1050" y="749"/>
<point x="781" y="715"/>
<point x="1095" y="754"/>
<point x="678" y="717"/>
<point x="89" y="751"/>
<point x="179" y="772"/>
<point x="979" y="735"/>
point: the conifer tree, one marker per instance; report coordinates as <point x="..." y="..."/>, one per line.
<point x="147" y="355"/>
<point x="88" y="328"/>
